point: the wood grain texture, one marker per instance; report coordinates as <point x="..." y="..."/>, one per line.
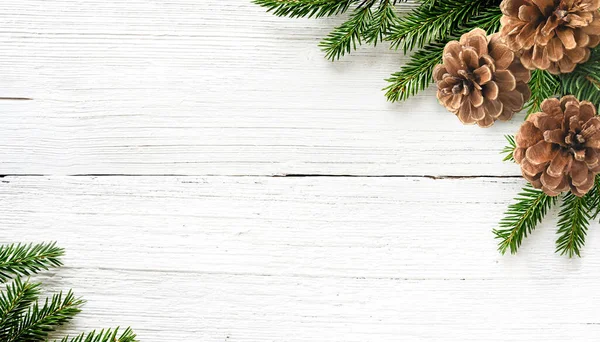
<point x="212" y="88"/>
<point x="304" y="258"/>
<point x="197" y="105"/>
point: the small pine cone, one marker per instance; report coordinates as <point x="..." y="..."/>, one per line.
<point x="553" y="35"/>
<point x="480" y="79"/>
<point x="559" y="149"/>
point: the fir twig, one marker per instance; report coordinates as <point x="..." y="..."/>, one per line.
<point x="25" y="260"/>
<point x="522" y="217"/>
<point x="347" y="36"/>
<point x="572" y="224"/>
<point x="14" y="301"/>
<point x="427" y="24"/>
<point x="584" y="81"/>
<point x="380" y="24"/>
<point x="39" y="321"/>
<point x="509" y="149"/>
<point x="305" y="8"/>
<point x="103" y="336"/>
<point x="543" y="85"/>
<point x="416" y="75"/>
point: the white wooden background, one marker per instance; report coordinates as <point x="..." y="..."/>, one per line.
<point x="214" y="178"/>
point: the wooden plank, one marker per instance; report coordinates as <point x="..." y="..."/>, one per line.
<point x="212" y="88"/>
<point x="303" y="258"/>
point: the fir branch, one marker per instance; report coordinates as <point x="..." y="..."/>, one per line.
<point x="427" y="24"/>
<point x="14" y="301"/>
<point x="416" y="75"/>
<point x="543" y="85"/>
<point x="305" y="8"/>
<point x="381" y="22"/>
<point x="35" y="325"/>
<point x="509" y="149"/>
<point x="25" y="260"/>
<point x="522" y="217"/>
<point x="573" y="224"/>
<point x="103" y="336"/>
<point x="594" y="198"/>
<point x="584" y="81"/>
<point x="345" y="38"/>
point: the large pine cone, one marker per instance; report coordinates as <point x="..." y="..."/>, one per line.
<point x="480" y="79"/>
<point x="553" y="35"/>
<point x="559" y="148"/>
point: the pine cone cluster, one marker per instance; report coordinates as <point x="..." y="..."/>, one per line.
<point x="480" y="79"/>
<point x="559" y="148"/>
<point x="553" y="35"/>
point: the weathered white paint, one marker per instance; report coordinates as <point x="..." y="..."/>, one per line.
<point x="209" y="99"/>
<point x="212" y="88"/>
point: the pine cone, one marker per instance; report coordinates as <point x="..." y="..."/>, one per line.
<point x="480" y="79"/>
<point x="559" y="148"/>
<point x="553" y="35"/>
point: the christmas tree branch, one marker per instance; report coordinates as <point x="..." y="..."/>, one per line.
<point x="584" y="81"/>
<point x="521" y="218"/>
<point x="347" y="37"/>
<point x="103" y="336"/>
<point x="381" y="22"/>
<point x="427" y="24"/>
<point x="39" y="321"/>
<point x="572" y="224"/>
<point x="25" y="260"/>
<point x="15" y="301"/>
<point x="305" y="8"/>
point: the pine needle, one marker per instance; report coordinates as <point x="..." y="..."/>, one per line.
<point x="39" y="321"/>
<point x="25" y="260"/>
<point x="543" y="85"/>
<point x="584" y="81"/>
<point x="107" y="335"/>
<point x="509" y="149"/>
<point x="14" y="302"/>
<point x="305" y="8"/>
<point x="345" y="38"/>
<point x="573" y="224"/>
<point x="380" y="23"/>
<point x="521" y="218"/>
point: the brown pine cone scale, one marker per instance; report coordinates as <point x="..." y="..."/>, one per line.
<point x="558" y="149"/>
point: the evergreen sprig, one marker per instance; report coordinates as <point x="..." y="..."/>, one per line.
<point x="584" y="81"/>
<point x="521" y="218"/>
<point x="509" y="149"/>
<point x="305" y="8"/>
<point x="24" y="260"/>
<point x="23" y="318"/>
<point x="543" y="85"/>
<point x="573" y="224"/>
<point x="347" y="36"/>
<point x="102" y="336"/>
<point x="417" y="74"/>
<point x="427" y="24"/>
<point x="40" y="320"/>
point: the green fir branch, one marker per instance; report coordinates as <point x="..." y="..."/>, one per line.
<point x="573" y="224"/>
<point x="305" y="8"/>
<point x="39" y="321"/>
<point x="416" y="75"/>
<point x="14" y="302"/>
<point x="521" y="218"/>
<point x="380" y="23"/>
<point x="543" y="85"/>
<point x="427" y="24"/>
<point x="345" y="38"/>
<point x="509" y="149"/>
<point x="103" y="336"/>
<point x="584" y="81"/>
<point x="24" y="260"/>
